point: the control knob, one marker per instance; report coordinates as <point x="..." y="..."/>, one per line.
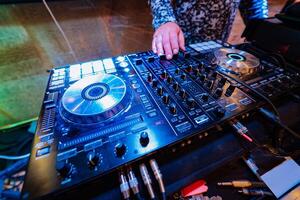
<point x="154" y="83"/>
<point x="64" y="169"/>
<point x="151" y="59"/>
<point x="189" y="68"/>
<point x="166" y="98"/>
<point x="173" y="109"/>
<point x="191" y="102"/>
<point x="160" y="90"/>
<point x="219" y="112"/>
<point x="120" y="149"/>
<point x="182" y="93"/>
<point x="169" y="79"/>
<point x="230" y="90"/>
<point x="222" y="82"/>
<point x="164" y="74"/>
<point x="197" y="72"/>
<point x="175" y="86"/>
<point x="218" y="92"/>
<point x="93" y="159"/>
<point x="202" y="77"/>
<point x="208" y="84"/>
<point x="204" y="97"/>
<point x="144" y="139"/>
<point x="149" y="77"/>
<point x="183" y="76"/>
<point x="177" y="70"/>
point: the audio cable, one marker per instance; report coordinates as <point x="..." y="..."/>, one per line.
<point x="275" y="117"/>
<point x="124" y="186"/>
<point x="133" y="183"/>
<point x="270" y="116"/>
<point x="254" y="91"/>
<point x="158" y="177"/>
<point x="147" y="180"/>
<point x="241" y="130"/>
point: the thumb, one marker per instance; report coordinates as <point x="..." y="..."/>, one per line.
<point x="181" y="40"/>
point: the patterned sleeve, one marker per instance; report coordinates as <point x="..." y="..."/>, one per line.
<point x="253" y="9"/>
<point x="162" y="12"/>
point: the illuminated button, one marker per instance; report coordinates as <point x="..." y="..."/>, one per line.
<point x="87" y="68"/>
<point x="75" y="71"/>
<point x="98" y="66"/>
<point x="109" y="65"/>
<point x="43" y="151"/>
<point x="123" y="64"/>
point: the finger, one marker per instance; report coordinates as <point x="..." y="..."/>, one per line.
<point x="159" y="45"/>
<point x="174" y="42"/>
<point x="181" y="41"/>
<point x="154" y="45"/>
<point x="167" y="46"/>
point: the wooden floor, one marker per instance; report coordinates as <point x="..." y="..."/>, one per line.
<point x="30" y="43"/>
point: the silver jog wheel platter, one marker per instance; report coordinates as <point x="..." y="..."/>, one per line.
<point x="236" y="61"/>
<point x="94" y="99"/>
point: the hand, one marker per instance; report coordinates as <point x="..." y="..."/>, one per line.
<point x="167" y="39"/>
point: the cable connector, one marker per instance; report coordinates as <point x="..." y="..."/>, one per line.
<point x="124" y="186"/>
<point x="147" y="180"/>
<point x="133" y="183"/>
<point x="158" y="176"/>
<point x="255" y="192"/>
<point x="242" y="184"/>
<point x="240" y="129"/>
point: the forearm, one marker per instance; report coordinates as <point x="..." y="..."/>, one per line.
<point x="253" y="9"/>
<point x="162" y="12"/>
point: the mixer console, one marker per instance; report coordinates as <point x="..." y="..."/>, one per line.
<point x="100" y="115"/>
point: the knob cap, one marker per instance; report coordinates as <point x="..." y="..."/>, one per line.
<point x="214" y="75"/>
<point x="164" y="74"/>
<point x="187" y="55"/>
<point x="218" y="92"/>
<point x="196" y="72"/>
<point x="166" y="98"/>
<point x="144" y="139"/>
<point x="64" y="169"/>
<point x="169" y="79"/>
<point x="173" y="109"/>
<point x="160" y="90"/>
<point x="189" y="68"/>
<point x="120" y="149"/>
<point x="204" y="97"/>
<point x="191" y="102"/>
<point x="208" y="84"/>
<point x="222" y="82"/>
<point x="151" y="59"/>
<point x="138" y="61"/>
<point x="149" y="77"/>
<point x="230" y="90"/>
<point x="202" y="77"/>
<point x="183" y="76"/>
<point x="182" y="93"/>
<point x="93" y="159"/>
<point x="162" y="57"/>
<point x="219" y="112"/>
<point x="154" y="83"/>
<point x="175" y="86"/>
<point x="201" y="65"/>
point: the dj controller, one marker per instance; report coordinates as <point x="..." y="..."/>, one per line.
<point x="101" y="115"/>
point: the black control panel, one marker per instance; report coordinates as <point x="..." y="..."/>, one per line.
<point x="100" y="115"/>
